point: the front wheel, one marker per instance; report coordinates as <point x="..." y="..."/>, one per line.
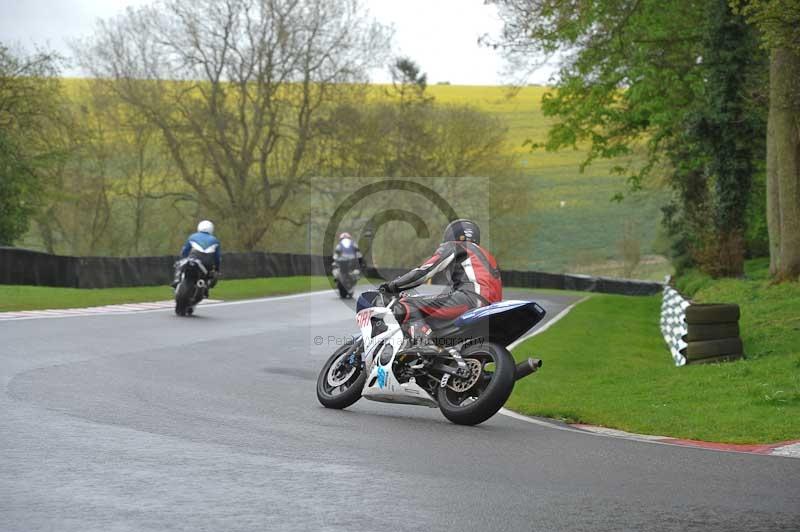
<point x="474" y="399"/>
<point x="342" y="377"/>
<point x="343" y="292"/>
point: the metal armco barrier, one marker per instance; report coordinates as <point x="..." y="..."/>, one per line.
<point x="673" y="322"/>
<point x="22" y="266"/>
<point x="583" y="283"/>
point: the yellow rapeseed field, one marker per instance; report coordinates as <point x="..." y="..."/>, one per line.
<point x="577" y="226"/>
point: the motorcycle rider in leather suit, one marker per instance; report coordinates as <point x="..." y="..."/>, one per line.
<point x="472" y="275"/>
<point x="205" y="246"/>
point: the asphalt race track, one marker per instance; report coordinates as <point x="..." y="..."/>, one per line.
<point x="146" y="421"/>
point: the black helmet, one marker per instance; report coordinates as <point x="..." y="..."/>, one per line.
<point x="462" y="230"/>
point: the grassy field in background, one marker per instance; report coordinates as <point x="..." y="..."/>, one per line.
<point x="577" y="228"/>
<point x="605" y="363"/>
<point x="14" y="297"/>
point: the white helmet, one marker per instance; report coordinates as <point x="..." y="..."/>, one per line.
<point x="206" y="226"/>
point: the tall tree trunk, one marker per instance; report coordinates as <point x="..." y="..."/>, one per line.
<point x="773" y="193"/>
<point x="783" y="162"/>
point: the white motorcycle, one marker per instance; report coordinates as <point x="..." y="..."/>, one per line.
<point x="467" y="373"/>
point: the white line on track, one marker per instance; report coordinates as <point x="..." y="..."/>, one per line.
<point x="791" y="450"/>
<point x="134" y="308"/>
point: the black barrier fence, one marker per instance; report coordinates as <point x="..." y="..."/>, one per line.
<point x="22" y="266"/>
<point x="583" y="283"/>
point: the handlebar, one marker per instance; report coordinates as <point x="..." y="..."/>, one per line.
<point x="393" y="301"/>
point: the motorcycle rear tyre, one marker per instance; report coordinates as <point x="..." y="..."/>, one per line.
<point x="492" y="398"/>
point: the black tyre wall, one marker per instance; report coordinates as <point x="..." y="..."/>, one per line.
<point x="714" y="348"/>
<point x="711" y="331"/>
<point x="714" y="313"/>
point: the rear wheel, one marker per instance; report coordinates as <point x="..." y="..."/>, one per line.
<point x="474" y="399"/>
<point x="342" y="377"/>
<point x="182" y="298"/>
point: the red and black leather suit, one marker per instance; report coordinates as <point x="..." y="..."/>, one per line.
<point x="474" y="282"/>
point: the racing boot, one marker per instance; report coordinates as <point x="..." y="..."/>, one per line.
<point x="213" y="277"/>
<point x="176" y="280"/>
<point x="420" y="338"/>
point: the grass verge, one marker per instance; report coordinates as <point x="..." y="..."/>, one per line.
<point x="606" y="364"/>
<point x="16" y="297"/>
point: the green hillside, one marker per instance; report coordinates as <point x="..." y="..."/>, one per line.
<point x="568" y="219"/>
<point x="584" y="234"/>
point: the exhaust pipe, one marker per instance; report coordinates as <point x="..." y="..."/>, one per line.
<point x="527" y="367"/>
<point x="201" y="283"/>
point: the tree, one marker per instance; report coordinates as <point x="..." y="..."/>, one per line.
<point x="234" y="89"/>
<point x="466" y="142"/>
<point x="18" y="187"/>
<point x="642" y="74"/>
<point x="75" y="215"/>
<point x="409" y="135"/>
<point x="408" y="82"/>
<point x="721" y="148"/>
<point x="29" y="99"/>
<point x="362" y="141"/>
<point x="779" y="24"/>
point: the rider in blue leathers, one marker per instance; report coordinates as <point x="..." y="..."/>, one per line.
<point x="206" y="247"/>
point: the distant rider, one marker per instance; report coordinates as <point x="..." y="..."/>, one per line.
<point x="206" y="247"/>
<point x="347" y="249"/>
<point x="471" y="272"/>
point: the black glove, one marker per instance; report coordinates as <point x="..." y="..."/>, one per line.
<point x="389" y="288"/>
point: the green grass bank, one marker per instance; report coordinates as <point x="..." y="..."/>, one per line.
<point x="16" y="297"/>
<point x="605" y="363"/>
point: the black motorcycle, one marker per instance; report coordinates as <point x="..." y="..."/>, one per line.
<point x="193" y="285"/>
<point x="346" y="273"/>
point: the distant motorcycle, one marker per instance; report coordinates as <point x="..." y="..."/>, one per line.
<point x="469" y="374"/>
<point x="193" y="285"/>
<point x="346" y="273"/>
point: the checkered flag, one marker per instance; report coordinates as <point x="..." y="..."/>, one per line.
<point x="673" y="322"/>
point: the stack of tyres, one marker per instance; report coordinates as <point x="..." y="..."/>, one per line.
<point x="712" y="334"/>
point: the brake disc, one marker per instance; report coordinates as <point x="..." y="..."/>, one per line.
<point x="462" y="384"/>
<point x="338" y="375"/>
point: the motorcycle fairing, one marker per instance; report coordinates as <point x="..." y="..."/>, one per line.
<point x="381" y="384"/>
<point x="181" y="264"/>
<point x="501" y="323"/>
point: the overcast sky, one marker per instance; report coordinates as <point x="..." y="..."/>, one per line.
<point x="440" y="35"/>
